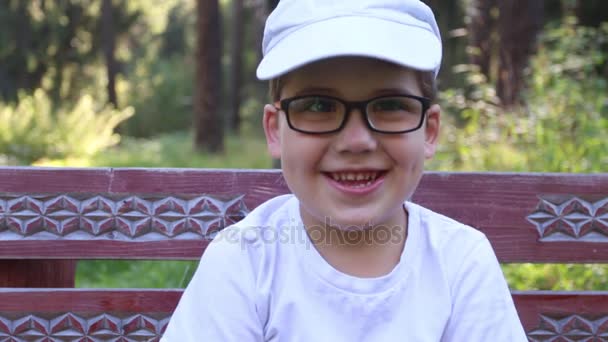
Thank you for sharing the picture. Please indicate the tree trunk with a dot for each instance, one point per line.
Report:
(62, 58)
(23, 44)
(591, 12)
(481, 24)
(260, 13)
(450, 18)
(519, 23)
(209, 133)
(109, 45)
(237, 65)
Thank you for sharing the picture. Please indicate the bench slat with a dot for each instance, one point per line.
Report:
(143, 250)
(528, 217)
(545, 315)
(69, 214)
(37, 273)
(68, 314)
(549, 314)
(116, 301)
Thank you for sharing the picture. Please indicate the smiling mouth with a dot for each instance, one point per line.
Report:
(356, 179)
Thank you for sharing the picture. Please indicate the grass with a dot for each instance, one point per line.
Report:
(176, 150)
(134, 273)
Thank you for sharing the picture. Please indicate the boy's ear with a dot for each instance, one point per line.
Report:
(433, 120)
(271, 130)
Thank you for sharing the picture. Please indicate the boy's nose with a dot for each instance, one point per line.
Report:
(355, 137)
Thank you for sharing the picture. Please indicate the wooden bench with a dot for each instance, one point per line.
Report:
(49, 218)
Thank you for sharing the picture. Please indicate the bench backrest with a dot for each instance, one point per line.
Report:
(49, 218)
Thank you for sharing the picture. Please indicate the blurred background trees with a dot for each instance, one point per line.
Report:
(171, 83)
(186, 68)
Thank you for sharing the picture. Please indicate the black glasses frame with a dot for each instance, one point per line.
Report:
(349, 106)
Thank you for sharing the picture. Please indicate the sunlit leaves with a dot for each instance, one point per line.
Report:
(34, 129)
(562, 125)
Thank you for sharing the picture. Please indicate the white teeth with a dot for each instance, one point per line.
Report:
(352, 176)
(362, 185)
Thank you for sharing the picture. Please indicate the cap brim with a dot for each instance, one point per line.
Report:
(408, 45)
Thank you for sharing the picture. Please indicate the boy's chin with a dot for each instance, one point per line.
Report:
(353, 226)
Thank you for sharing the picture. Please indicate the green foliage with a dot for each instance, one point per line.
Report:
(568, 100)
(160, 73)
(566, 277)
(134, 273)
(561, 128)
(53, 44)
(33, 129)
(162, 96)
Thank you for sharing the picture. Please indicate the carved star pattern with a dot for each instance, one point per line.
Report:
(131, 217)
(572, 219)
(3, 212)
(72, 327)
(571, 328)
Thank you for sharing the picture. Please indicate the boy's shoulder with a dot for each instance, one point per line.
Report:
(442, 232)
(429, 216)
(441, 223)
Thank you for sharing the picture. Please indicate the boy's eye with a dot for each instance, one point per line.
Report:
(391, 105)
(314, 104)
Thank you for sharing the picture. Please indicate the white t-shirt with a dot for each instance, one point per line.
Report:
(262, 280)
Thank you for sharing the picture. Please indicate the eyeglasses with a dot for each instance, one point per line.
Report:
(392, 114)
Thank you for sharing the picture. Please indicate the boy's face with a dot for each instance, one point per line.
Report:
(317, 167)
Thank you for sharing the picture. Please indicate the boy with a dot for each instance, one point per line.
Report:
(352, 120)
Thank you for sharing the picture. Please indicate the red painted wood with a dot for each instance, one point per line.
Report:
(37, 273)
(531, 304)
(90, 301)
(61, 249)
(498, 203)
(495, 203)
(14, 303)
(259, 185)
(55, 180)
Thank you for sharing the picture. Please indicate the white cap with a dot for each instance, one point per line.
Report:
(299, 32)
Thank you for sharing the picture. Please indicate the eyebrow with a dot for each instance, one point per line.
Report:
(391, 91)
(316, 90)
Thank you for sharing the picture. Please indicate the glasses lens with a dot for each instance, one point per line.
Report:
(395, 114)
(316, 114)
